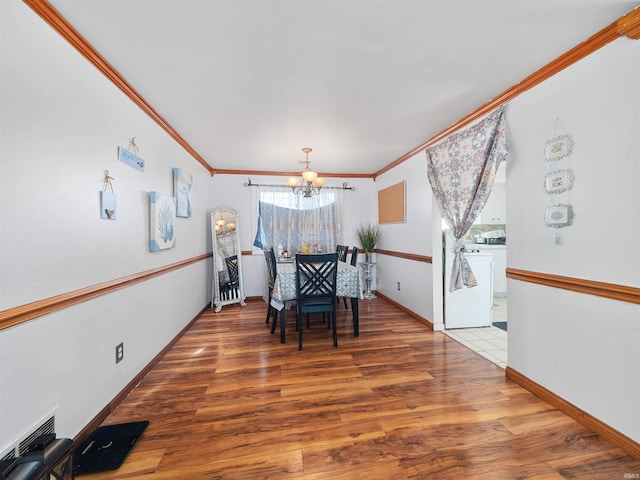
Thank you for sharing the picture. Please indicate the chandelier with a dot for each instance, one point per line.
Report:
(310, 183)
(222, 226)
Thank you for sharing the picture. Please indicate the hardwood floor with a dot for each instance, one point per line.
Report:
(400, 401)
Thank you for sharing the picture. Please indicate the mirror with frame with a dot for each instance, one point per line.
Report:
(227, 286)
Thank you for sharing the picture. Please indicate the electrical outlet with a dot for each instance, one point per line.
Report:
(119, 352)
(398, 286)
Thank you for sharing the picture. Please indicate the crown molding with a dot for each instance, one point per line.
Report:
(628, 25)
(221, 171)
(50, 15)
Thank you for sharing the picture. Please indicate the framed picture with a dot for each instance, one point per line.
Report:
(558, 147)
(182, 184)
(162, 219)
(108, 205)
(392, 203)
(131, 159)
(558, 216)
(558, 181)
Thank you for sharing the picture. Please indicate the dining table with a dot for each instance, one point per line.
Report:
(285, 293)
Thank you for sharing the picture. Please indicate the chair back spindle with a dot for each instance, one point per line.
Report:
(342, 251)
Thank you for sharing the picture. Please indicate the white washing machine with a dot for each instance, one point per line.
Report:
(468, 307)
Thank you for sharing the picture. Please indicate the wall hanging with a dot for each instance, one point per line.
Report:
(182, 185)
(107, 198)
(130, 156)
(162, 219)
(392, 203)
(558, 180)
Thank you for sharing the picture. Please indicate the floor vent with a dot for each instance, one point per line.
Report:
(48, 426)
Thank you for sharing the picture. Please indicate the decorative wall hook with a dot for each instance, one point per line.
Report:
(107, 182)
(132, 144)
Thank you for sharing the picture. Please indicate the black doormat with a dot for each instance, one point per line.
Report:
(501, 325)
(107, 447)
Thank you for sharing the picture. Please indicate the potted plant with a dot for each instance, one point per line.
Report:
(368, 235)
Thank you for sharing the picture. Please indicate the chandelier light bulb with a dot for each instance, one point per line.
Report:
(309, 175)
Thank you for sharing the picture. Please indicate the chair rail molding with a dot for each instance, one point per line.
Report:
(24, 313)
(408, 256)
(601, 289)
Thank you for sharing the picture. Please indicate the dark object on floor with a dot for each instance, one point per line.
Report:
(107, 447)
(501, 325)
(54, 454)
(6, 466)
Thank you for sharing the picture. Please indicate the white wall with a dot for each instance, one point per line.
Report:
(413, 236)
(62, 122)
(581, 347)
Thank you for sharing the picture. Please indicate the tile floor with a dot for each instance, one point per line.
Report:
(490, 342)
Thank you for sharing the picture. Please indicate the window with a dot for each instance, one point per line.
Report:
(294, 221)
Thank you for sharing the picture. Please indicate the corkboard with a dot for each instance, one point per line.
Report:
(392, 204)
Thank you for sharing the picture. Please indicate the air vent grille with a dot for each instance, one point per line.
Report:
(10, 455)
(49, 426)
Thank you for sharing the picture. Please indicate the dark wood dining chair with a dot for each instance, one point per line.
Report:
(342, 251)
(354, 262)
(272, 313)
(316, 280)
(232, 268)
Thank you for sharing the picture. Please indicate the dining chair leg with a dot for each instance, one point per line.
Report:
(283, 323)
(335, 329)
(344, 299)
(274, 314)
(299, 328)
(268, 309)
(356, 319)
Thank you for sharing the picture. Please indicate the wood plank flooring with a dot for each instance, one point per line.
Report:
(399, 402)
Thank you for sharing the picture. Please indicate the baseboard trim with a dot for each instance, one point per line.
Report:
(111, 406)
(598, 426)
(406, 310)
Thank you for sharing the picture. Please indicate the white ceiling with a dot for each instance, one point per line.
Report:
(248, 83)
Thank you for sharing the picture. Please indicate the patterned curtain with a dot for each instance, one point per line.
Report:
(461, 170)
(294, 221)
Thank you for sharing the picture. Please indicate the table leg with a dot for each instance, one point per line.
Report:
(356, 318)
